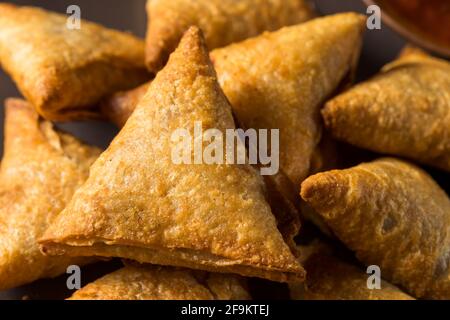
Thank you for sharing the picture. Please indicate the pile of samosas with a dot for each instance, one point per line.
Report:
(198, 231)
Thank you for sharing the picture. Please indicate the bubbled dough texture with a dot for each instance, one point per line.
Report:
(163, 283)
(392, 214)
(403, 111)
(279, 81)
(222, 21)
(201, 216)
(63, 71)
(40, 171)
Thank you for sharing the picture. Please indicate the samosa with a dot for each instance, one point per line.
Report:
(140, 205)
(330, 277)
(62, 71)
(163, 283)
(403, 111)
(222, 21)
(391, 214)
(40, 170)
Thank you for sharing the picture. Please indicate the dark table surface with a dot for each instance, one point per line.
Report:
(380, 47)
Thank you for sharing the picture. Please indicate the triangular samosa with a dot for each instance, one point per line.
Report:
(222, 21)
(403, 111)
(330, 277)
(40, 170)
(138, 204)
(65, 71)
(279, 80)
(163, 283)
(393, 215)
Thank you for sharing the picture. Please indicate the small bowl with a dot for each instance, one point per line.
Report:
(403, 25)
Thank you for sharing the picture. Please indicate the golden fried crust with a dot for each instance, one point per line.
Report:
(64, 72)
(330, 278)
(40, 171)
(404, 111)
(392, 214)
(119, 107)
(222, 21)
(139, 205)
(280, 79)
(163, 283)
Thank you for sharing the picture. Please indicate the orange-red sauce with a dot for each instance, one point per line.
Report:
(431, 17)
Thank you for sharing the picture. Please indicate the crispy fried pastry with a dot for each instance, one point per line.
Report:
(40, 170)
(392, 214)
(332, 278)
(138, 204)
(404, 111)
(64, 72)
(279, 80)
(222, 21)
(163, 283)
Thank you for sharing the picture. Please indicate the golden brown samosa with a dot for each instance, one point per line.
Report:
(332, 278)
(222, 21)
(64, 72)
(279, 80)
(163, 283)
(138, 204)
(40, 170)
(403, 111)
(392, 214)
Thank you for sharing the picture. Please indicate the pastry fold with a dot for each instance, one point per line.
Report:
(222, 21)
(163, 283)
(279, 80)
(332, 278)
(391, 214)
(40, 170)
(65, 72)
(138, 204)
(403, 111)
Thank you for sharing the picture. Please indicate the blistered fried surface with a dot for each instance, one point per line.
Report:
(163, 283)
(279, 80)
(404, 111)
(222, 21)
(392, 214)
(138, 204)
(40, 171)
(330, 278)
(64, 72)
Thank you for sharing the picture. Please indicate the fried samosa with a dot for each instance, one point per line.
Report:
(403, 111)
(138, 204)
(392, 214)
(40, 170)
(64, 72)
(332, 278)
(279, 80)
(163, 283)
(222, 21)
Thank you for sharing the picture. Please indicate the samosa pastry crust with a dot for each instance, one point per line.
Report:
(65, 72)
(40, 171)
(163, 283)
(404, 111)
(222, 21)
(330, 278)
(279, 80)
(138, 204)
(392, 214)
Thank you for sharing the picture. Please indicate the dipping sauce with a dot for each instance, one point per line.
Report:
(430, 17)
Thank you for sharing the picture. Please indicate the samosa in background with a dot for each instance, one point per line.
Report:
(40, 171)
(222, 21)
(65, 72)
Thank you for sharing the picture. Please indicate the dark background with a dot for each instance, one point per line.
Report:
(380, 47)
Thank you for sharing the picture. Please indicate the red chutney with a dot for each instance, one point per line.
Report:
(431, 17)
